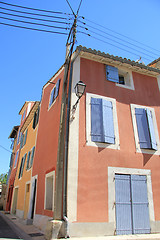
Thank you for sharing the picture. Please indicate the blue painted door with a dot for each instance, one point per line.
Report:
(132, 213)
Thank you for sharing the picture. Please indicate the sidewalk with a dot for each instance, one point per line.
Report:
(27, 232)
(30, 232)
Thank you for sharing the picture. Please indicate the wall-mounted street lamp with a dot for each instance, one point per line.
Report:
(79, 89)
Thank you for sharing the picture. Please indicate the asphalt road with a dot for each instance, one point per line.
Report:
(6, 231)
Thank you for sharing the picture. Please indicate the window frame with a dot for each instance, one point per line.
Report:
(89, 142)
(126, 73)
(135, 130)
(16, 158)
(49, 175)
(57, 84)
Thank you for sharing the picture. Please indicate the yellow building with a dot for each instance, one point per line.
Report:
(22, 185)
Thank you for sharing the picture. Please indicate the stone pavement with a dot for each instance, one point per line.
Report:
(26, 232)
(30, 232)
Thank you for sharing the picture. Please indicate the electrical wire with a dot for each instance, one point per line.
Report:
(70, 7)
(86, 28)
(39, 19)
(40, 24)
(5, 149)
(79, 7)
(42, 10)
(36, 29)
(119, 34)
(111, 44)
(36, 14)
(124, 45)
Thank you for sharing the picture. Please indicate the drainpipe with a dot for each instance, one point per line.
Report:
(65, 177)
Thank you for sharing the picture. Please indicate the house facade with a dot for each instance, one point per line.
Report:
(113, 162)
(111, 153)
(12, 167)
(21, 197)
(45, 159)
(17, 136)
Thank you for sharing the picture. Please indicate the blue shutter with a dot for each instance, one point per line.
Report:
(142, 126)
(123, 204)
(112, 74)
(108, 126)
(141, 222)
(151, 129)
(96, 120)
(57, 89)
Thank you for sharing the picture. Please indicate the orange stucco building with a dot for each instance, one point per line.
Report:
(110, 169)
(25, 153)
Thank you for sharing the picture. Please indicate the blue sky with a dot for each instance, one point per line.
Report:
(28, 59)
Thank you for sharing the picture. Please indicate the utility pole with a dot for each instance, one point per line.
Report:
(58, 200)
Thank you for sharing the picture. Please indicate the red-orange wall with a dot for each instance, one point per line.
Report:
(45, 158)
(94, 161)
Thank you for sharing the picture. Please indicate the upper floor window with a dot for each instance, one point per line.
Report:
(23, 139)
(16, 158)
(145, 129)
(30, 158)
(54, 93)
(36, 118)
(121, 76)
(101, 122)
(22, 165)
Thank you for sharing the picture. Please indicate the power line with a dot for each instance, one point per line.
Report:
(5, 149)
(111, 44)
(15, 15)
(40, 24)
(79, 7)
(42, 10)
(120, 34)
(36, 29)
(70, 7)
(124, 45)
(36, 14)
(86, 28)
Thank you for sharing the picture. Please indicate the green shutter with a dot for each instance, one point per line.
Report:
(28, 159)
(24, 158)
(32, 156)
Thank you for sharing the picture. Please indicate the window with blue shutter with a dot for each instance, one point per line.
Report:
(54, 92)
(102, 126)
(112, 74)
(145, 128)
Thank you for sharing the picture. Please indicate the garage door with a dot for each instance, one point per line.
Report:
(132, 212)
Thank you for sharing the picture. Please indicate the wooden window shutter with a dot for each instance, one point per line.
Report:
(32, 156)
(96, 120)
(112, 74)
(108, 125)
(151, 129)
(142, 126)
(28, 159)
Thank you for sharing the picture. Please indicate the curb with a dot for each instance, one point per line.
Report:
(15, 228)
